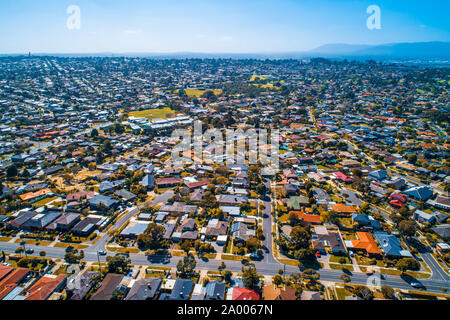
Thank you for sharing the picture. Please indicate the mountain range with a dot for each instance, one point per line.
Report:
(394, 51)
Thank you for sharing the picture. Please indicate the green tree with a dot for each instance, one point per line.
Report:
(407, 228)
(388, 292)
(152, 238)
(406, 264)
(11, 172)
(186, 266)
(250, 277)
(118, 264)
(363, 292)
(300, 237)
(277, 280)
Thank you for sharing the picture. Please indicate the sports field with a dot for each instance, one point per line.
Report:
(197, 92)
(159, 113)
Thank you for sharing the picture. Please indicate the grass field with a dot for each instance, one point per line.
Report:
(197, 92)
(253, 78)
(160, 113)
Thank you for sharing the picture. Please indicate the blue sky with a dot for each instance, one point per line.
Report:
(239, 26)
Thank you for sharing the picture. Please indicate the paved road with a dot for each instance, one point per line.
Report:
(432, 285)
(101, 243)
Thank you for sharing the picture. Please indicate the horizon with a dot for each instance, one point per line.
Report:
(312, 51)
(213, 27)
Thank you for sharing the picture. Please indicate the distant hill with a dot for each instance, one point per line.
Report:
(395, 50)
(402, 51)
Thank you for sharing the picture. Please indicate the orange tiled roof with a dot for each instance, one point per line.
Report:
(44, 287)
(340, 207)
(312, 218)
(271, 292)
(32, 195)
(365, 242)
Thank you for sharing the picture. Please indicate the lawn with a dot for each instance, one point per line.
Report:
(253, 78)
(340, 267)
(337, 259)
(232, 257)
(43, 202)
(198, 92)
(159, 113)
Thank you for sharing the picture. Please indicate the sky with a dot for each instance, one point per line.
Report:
(213, 26)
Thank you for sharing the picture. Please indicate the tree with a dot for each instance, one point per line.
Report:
(300, 237)
(407, 228)
(293, 219)
(388, 292)
(152, 238)
(363, 292)
(94, 133)
(227, 275)
(311, 275)
(11, 171)
(250, 277)
(406, 264)
(186, 266)
(412, 158)
(186, 246)
(252, 244)
(345, 277)
(277, 280)
(221, 267)
(261, 189)
(117, 295)
(304, 254)
(118, 264)
(72, 257)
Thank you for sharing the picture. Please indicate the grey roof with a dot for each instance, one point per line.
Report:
(100, 199)
(390, 245)
(134, 230)
(215, 291)
(125, 194)
(144, 289)
(378, 175)
(148, 181)
(39, 221)
(182, 289)
(81, 285)
(419, 193)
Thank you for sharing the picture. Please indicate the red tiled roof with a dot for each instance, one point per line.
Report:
(44, 287)
(244, 294)
(11, 281)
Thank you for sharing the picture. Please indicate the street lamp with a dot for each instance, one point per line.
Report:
(99, 265)
(23, 243)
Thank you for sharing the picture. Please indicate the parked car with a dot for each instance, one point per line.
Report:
(417, 285)
(370, 271)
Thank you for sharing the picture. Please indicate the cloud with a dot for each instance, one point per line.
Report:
(226, 38)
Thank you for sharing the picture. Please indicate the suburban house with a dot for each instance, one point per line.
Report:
(419, 193)
(46, 286)
(144, 289)
(272, 292)
(364, 243)
(391, 246)
(111, 282)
